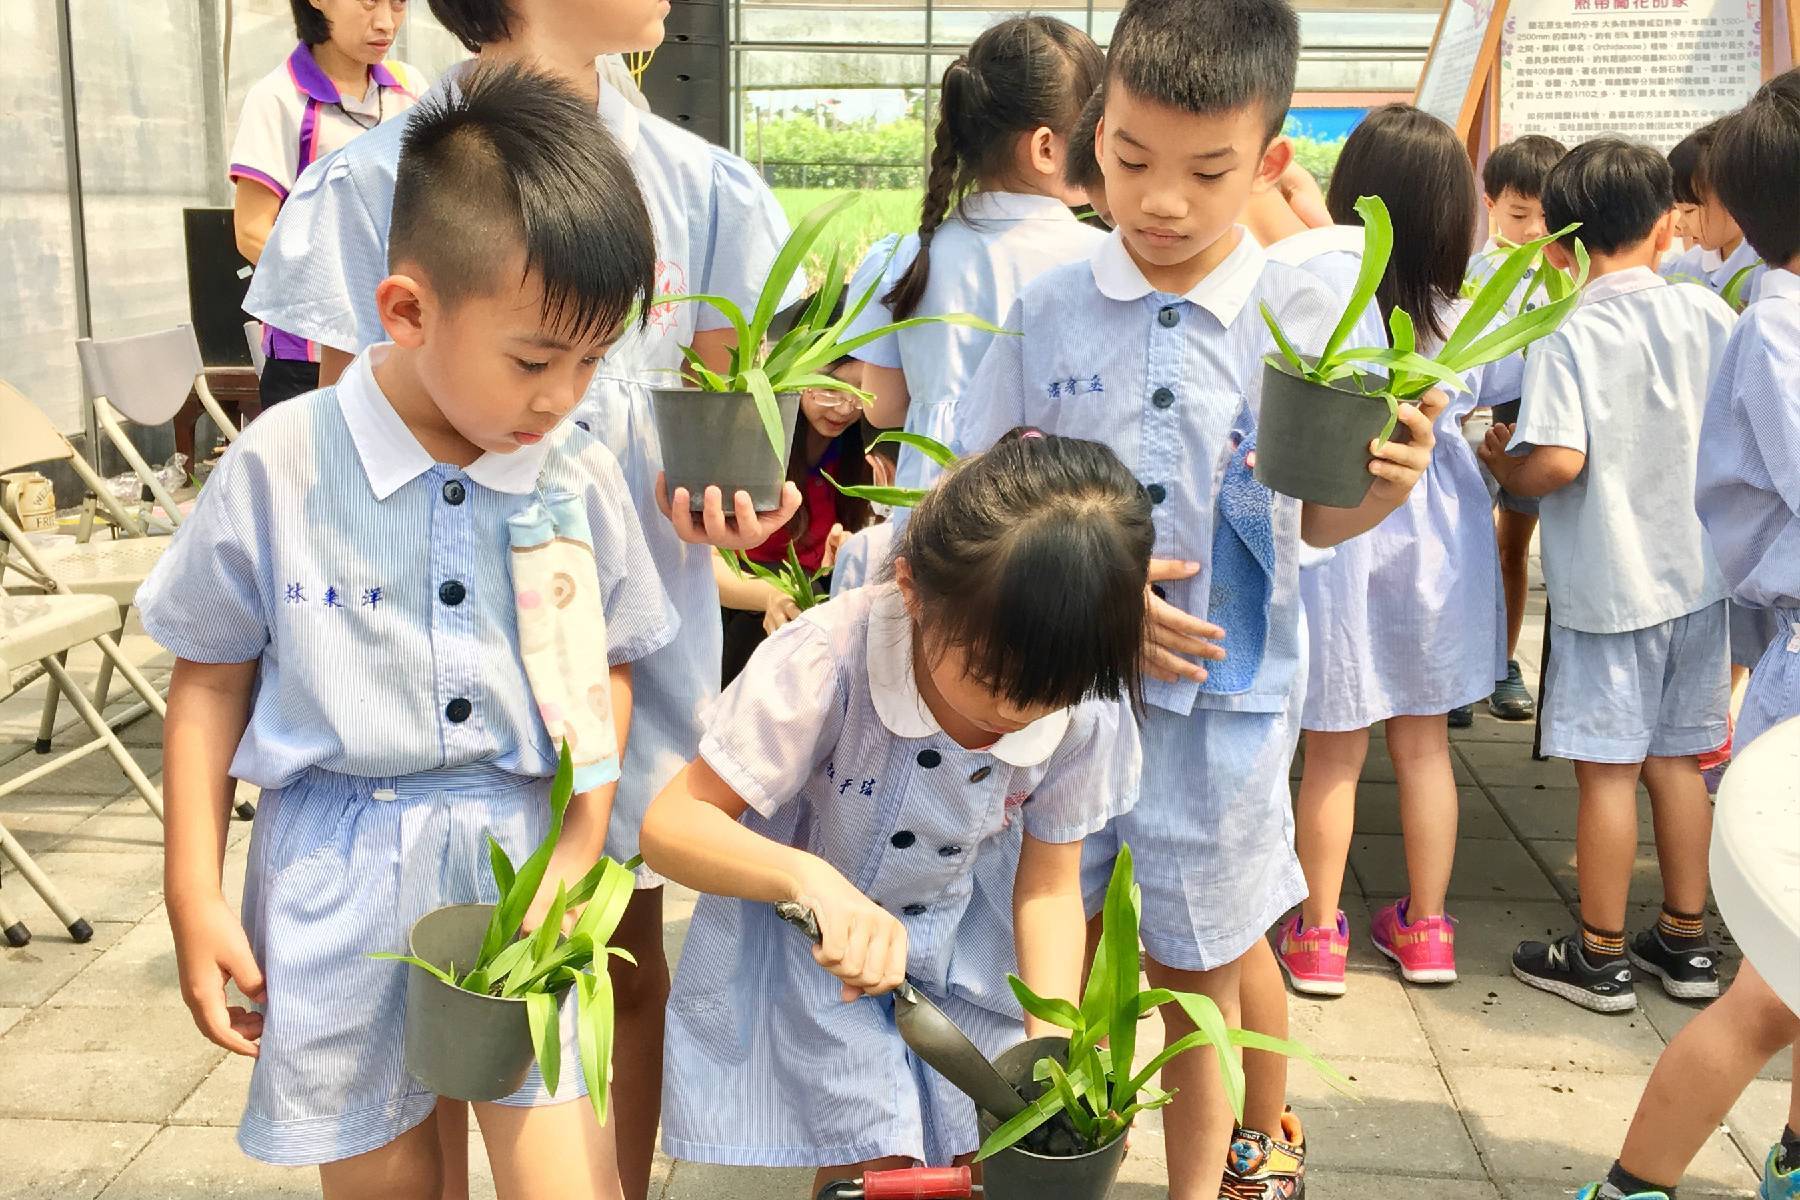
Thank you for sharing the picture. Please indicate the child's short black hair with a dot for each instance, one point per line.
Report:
(1756, 169)
(1081, 167)
(1032, 560)
(1617, 190)
(513, 161)
(1688, 165)
(1520, 166)
(474, 23)
(310, 25)
(1209, 56)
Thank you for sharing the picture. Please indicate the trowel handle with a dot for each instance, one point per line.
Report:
(919, 1183)
(801, 918)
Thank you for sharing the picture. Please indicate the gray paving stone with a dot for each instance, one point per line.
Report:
(1406, 1117)
(1378, 811)
(125, 826)
(1380, 768)
(701, 1181)
(197, 1161)
(1549, 813)
(1501, 1026)
(1484, 871)
(1566, 1129)
(10, 1017)
(1372, 1019)
(219, 1100)
(65, 1160)
(1357, 1185)
(96, 775)
(1756, 1119)
(95, 1065)
(101, 887)
(138, 970)
(1489, 728)
(1511, 763)
(33, 973)
(1487, 931)
(1646, 881)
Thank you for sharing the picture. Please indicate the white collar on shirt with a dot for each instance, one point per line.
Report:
(1302, 248)
(391, 455)
(621, 117)
(1710, 260)
(1013, 206)
(1223, 293)
(1622, 283)
(1779, 282)
(895, 691)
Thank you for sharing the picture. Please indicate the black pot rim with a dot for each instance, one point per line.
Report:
(686, 390)
(1015, 1148)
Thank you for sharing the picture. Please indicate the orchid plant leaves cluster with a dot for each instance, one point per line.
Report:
(1488, 331)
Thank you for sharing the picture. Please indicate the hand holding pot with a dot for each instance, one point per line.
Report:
(1171, 633)
(210, 951)
(1398, 465)
(859, 941)
(742, 529)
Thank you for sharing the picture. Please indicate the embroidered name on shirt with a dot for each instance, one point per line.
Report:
(333, 597)
(1091, 386)
(864, 787)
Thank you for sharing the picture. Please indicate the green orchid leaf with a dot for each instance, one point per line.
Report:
(708, 379)
(1059, 1013)
(930, 447)
(1734, 291)
(546, 1036)
(499, 865)
(728, 308)
(895, 497)
(509, 914)
(431, 969)
(1378, 248)
(1494, 295)
(1034, 1115)
(791, 258)
(1301, 367)
(769, 409)
(1120, 934)
(594, 1036)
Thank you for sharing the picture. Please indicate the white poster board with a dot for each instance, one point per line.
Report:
(1459, 54)
(1651, 70)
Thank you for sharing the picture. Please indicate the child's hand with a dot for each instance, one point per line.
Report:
(781, 609)
(1493, 453)
(211, 950)
(834, 542)
(859, 941)
(881, 467)
(1170, 632)
(741, 529)
(1398, 465)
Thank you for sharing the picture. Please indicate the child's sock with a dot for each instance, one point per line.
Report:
(1627, 1184)
(1790, 1150)
(1679, 930)
(1601, 945)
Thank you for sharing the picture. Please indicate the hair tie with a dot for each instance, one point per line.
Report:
(1031, 433)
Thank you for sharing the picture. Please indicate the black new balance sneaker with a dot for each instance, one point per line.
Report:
(1561, 969)
(1691, 974)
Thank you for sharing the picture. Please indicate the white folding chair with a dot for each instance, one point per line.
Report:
(146, 379)
(36, 634)
(111, 567)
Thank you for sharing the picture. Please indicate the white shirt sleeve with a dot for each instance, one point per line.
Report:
(267, 145)
(886, 261)
(1550, 411)
(749, 229)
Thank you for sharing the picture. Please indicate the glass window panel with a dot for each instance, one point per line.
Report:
(958, 24)
(832, 22)
(37, 267)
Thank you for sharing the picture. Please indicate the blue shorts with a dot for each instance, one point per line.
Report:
(1212, 836)
(1661, 692)
(337, 870)
(1752, 629)
(1774, 691)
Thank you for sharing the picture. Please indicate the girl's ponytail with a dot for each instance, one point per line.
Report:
(1023, 74)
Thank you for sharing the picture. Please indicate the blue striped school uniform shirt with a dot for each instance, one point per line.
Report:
(1714, 270)
(374, 587)
(1624, 381)
(1165, 381)
(718, 229)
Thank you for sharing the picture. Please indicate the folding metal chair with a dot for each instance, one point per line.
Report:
(36, 634)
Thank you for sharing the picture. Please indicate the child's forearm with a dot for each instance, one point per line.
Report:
(590, 813)
(737, 592)
(694, 838)
(1546, 469)
(1049, 924)
(1323, 527)
(209, 706)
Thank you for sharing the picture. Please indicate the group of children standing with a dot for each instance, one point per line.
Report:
(1096, 630)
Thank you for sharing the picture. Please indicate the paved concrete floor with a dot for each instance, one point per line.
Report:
(1481, 1090)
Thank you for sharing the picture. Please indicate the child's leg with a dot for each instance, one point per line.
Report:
(1514, 530)
(1420, 747)
(1606, 847)
(1325, 817)
(1702, 1074)
(640, 994)
(407, 1168)
(1683, 816)
(1197, 1124)
(452, 1120)
(552, 1150)
(1265, 1010)
(854, 1171)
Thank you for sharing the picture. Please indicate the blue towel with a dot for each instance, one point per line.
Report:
(1243, 570)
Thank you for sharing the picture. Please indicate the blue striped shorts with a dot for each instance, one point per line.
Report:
(342, 866)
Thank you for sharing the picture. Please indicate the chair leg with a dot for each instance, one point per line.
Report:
(40, 883)
(16, 933)
(103, 681)
(47, 724)
(115, 658)
(96, 721)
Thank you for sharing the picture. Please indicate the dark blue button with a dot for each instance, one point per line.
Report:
(1169, 317)
(584, 427)
(914, 910)
(458, 710)
(949, 851)
(902, 840)
(454, 491)
(1162, 397)
(929, 759)
(452, 592)
(980, 774)
(1157, 492)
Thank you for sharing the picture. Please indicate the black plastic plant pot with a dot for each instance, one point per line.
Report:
(1312, 440)
(1018, 1174)
(717, 438)
(460, 1044)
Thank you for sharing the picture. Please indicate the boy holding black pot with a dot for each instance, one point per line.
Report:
(1637, 683)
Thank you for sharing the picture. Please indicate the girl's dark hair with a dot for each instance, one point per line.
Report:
(1418, 166)
(1757, 156)
(474, 23)
(512, 162)
(1617, 190)
(1081, 167)
(851, 470)
(1688, 171)
(1520, 166)
(1021, 75)
(310, 25)
(1032, 559)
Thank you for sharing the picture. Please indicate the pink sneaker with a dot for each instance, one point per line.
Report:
(1314, 958)
(1425, 952)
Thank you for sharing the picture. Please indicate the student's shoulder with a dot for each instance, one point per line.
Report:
(1771, 327)
(284, 445)
(411, 79)
(273, 90)
(1697, 301)
(674, 146)
(371, 160)
(578, 460)
(1066, 286)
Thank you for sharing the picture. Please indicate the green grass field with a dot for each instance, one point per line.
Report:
(879, 214)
